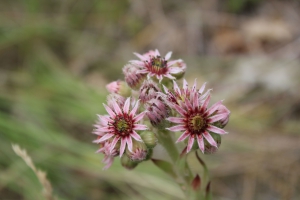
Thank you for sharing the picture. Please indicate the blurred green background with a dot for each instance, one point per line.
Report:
(56, 57)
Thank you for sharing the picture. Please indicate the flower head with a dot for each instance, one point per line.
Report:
(121, 124)
(154, 65)
(184, 96)
(196, 119)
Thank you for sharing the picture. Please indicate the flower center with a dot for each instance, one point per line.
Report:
(197, 124)
(123, 125)
(158, 65)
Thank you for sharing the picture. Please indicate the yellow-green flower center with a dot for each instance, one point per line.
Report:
(158, 62)
(122, 125)
(197, 124)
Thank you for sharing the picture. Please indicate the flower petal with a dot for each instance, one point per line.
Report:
(165, 89)
(109, 111)
(215, 118)
(195, 100)
(156, 53)
(108, 162)
(139, 117)
(123, 145)
(205, 104)
(140, 56)
(116, 107)
(129, 143)
(126, 105)
(140, 127)
(103, 138)
(183, 136)
(202, 88)
(200, 143)
(142, 71)
(190, 144)
(133, 111)
(176, 88)
(177, 128)
(216, 130)
(179, 109)
(185, 85)
(103, 129)
(113, 144)
(168, 55)
(213, 108)
(176, 119)
(136, 62)
(170, 76)
(103, 119)
(175, 70)
(136, 136)
(194, 86)
(210, 139)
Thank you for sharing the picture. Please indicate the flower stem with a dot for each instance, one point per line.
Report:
(181, 167)
(167, 142)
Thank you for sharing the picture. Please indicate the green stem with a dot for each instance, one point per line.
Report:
(167, 142)
(181, 167)
(205, 171)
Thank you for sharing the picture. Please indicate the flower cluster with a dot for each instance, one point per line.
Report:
(148, 102)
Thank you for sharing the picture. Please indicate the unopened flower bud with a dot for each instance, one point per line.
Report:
(158, 111)
(223, 110)
(148, 91)
(208, 148)
(111, 98)
(149, 139)
(119, 87)
(139, 151)
(127, 162)
(180, 64)
(132, 78)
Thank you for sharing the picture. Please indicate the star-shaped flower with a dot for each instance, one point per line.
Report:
(121, 124)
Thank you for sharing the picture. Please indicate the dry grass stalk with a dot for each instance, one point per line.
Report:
(47, 188)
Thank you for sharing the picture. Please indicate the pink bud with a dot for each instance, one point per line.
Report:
(132, 77)
(148, 91)
(119, 87)
(223, 110)
(157, 112)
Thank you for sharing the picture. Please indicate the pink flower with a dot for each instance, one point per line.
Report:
(108, 155)
(196, 119)
(183, 97)
(121, 124)
(154, 65)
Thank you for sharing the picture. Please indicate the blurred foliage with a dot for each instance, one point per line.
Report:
(237, 6)
(57, 56)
